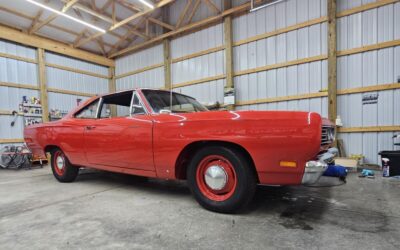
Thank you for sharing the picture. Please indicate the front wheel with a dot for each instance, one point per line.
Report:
(221, 179)
(62, 169)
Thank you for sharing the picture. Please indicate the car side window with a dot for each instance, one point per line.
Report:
(116, 105)
(137, 107)
(88, 112)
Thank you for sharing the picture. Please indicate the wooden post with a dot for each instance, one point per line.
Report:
(167, 64)
(228, 39)
(43, 84)
(112, 87)
(332, 62)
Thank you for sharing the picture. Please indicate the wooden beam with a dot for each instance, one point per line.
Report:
(52, 17)
(332, 62)
(19, 140)
(112, 88)
(380, 87)
(369, 129)
(162, 24)
(365, 7)
(129, 6)
(19, 58)
(228, 39)
(43, 84)
(183, 29)
(197, 54)
(18, 85)
(69, 92)
(183, 14)
(283, 98)
(167, 64)
(194, 82)
(137, 71)
(50, 45)
(79, 71)
(212, 6)
(371, 47)
(193, 12)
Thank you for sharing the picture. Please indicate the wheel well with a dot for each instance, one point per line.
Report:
(186, 154)
(50, 148)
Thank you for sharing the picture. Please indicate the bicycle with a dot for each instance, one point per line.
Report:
(15, 157)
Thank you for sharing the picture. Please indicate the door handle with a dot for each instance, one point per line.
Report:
(90, 127)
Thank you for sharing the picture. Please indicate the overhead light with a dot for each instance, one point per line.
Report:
(150, 5)
(67, 16)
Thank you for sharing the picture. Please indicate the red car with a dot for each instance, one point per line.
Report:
(223, 155)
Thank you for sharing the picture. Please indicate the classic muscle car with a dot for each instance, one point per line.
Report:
(223, 155)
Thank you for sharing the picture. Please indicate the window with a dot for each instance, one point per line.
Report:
(88, 112)
(116, 105)
(160, 100)
(137, 107)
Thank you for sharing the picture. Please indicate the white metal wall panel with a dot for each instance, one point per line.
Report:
(67, 80)
(209, 92)
(204, 39)
(149, 79)
(64, 102)
(75, 63)
(202, 12)
(349, 4)
(139, 60)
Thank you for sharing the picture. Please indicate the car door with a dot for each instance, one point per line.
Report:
(121, 141)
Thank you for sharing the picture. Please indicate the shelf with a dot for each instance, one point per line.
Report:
(32, 115)
(32, 105)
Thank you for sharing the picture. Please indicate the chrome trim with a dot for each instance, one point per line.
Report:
(98, 108)
(140, 101)
(314, 169)
(327, 135)
(216, 177)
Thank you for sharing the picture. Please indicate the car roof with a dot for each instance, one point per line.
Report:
(135, 89)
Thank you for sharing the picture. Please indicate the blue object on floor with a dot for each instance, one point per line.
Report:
(335, 171)
(367, 172)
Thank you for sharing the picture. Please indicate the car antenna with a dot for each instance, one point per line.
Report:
(170, 98)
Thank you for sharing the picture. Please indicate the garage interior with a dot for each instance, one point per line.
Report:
(339, 58)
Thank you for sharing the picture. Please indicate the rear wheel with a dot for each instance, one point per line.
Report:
(62, 168)
(221, 179)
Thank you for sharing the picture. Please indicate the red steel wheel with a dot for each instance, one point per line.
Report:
(62, 169)
(216, 177)
(59, 163)
(221, 178)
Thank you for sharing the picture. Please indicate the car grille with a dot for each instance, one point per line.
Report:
(327, 135)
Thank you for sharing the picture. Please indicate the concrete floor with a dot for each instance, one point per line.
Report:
(110, 211)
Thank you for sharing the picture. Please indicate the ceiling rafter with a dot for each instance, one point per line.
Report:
(129, 6)
(126, 21)
(161, 23)
(212, 6)
(193, 12)
(183, 14)
(39, 25)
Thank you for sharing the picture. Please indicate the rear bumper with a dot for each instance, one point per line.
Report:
(314, 169)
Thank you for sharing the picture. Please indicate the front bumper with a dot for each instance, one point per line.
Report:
(314, 169)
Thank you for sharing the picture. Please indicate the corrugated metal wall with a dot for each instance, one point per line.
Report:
(153, 78)
(375, 67)
(15, 71)
(67, 80)
(356, 70)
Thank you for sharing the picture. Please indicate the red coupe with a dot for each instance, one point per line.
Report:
(223, 155)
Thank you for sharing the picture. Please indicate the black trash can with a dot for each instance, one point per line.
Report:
(394, 161)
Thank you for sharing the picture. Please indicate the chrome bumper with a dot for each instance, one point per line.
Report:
(314, 169)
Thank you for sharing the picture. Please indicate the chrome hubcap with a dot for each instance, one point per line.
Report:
(216, 177)
(60, 162)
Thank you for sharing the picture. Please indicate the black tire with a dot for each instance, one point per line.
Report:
(245, 179)
(69, 172)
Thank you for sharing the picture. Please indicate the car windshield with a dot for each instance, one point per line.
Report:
(160, 100)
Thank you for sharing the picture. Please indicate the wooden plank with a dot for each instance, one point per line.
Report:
(137, 71)
(183, 29)
(69, 92)
(283, 98)
(369, 129)
(18, 85)
(332, 62)
(195, 7)
(112, 88)
(228, 40)
(366, 48)
(14, 35)
(18, 140)
(281, 65)
(183, 14)
(281, 31)
(197, 54)
(380, 87)
(42, 80)
(365, 7)
(19, 58)
(207, 79)
(52, 65)
(212, 6)
(161, 23)
(9, 112)
(167, 64)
